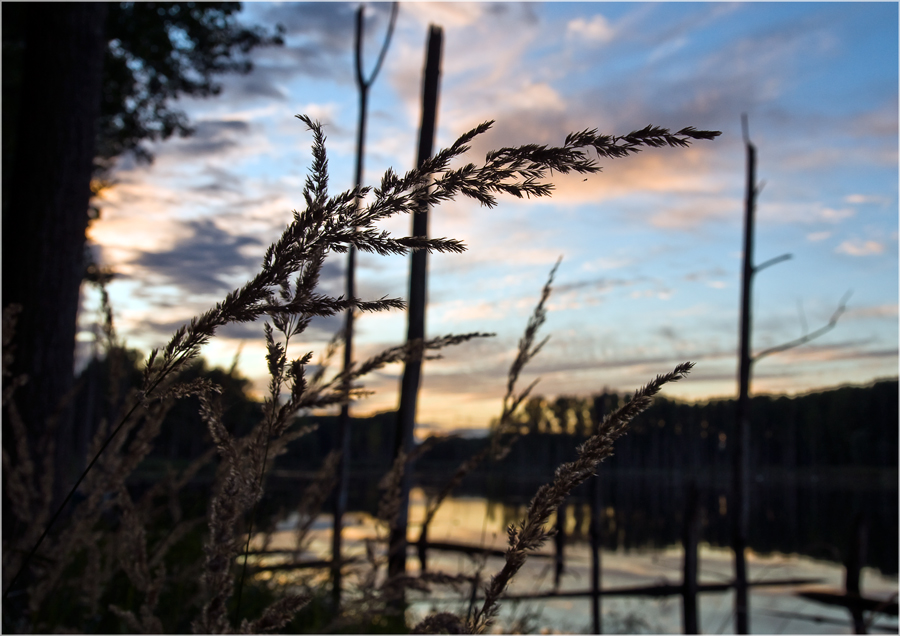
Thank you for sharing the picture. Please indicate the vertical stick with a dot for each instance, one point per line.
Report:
(689, 582)
(343, 425)
(740, 476)
(409, 388)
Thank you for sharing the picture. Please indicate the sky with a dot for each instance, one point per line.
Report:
(651, 246)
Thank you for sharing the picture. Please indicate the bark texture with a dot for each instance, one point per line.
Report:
(46, 193)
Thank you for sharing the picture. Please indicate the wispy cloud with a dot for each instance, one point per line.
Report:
(461, 311)
(695, 216)
(851, 350)
(866, 199)
(662, 224)
(199, 262)
(648, 173)
(601, 284)
(860, 247)
(834, 216)
(876, 311)
(803, 212)
(607, 262)
(594, 31)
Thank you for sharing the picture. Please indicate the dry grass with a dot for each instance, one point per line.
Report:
(40, 559)
(532, 531)
(504, 434)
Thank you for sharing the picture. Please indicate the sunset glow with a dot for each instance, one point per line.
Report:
(651, 245)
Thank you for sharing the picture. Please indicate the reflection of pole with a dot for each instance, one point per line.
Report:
(740, 476)
(343, 427)
(689, 580)
(856, 559)
(596, 528)
(409, 388)
(559, 557)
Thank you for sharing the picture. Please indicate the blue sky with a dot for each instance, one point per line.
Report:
(651, 246)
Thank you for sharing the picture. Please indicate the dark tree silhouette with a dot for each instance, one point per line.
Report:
(82, 84)
(157, 52)
(46, 188)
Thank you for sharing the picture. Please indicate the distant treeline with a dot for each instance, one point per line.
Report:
(848, 433)
(848, 426)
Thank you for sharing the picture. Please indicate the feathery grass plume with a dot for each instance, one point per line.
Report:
(498, 447)
(340, 388)
(277, 615)
(29, 491)
(245, 464)
(241, 475)
(391, 483)
(276, 418)
(527, 351)
(441, 623)
(531, 533)
(28, 504)
(325, 358)
(285, 291)
(233, 498)
(314, 497)
(333, 224)
(132, 552)
(108, 477)
(379, 599)
(246, 304)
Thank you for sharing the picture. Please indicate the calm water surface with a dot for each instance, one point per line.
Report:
(477, 521)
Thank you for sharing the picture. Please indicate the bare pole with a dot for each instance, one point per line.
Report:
(343, 427)
(741, 474)
(412, 371)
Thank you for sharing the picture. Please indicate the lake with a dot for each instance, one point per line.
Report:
(482, 521)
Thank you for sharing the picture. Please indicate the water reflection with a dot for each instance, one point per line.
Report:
(810, 515)
(482, 521)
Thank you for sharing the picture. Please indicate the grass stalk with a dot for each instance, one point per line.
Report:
(285, 291)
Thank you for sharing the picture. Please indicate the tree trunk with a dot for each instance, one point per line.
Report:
(46, 195)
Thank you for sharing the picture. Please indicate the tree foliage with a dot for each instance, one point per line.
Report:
(158, 52)
(850, 426)
(82, 84)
